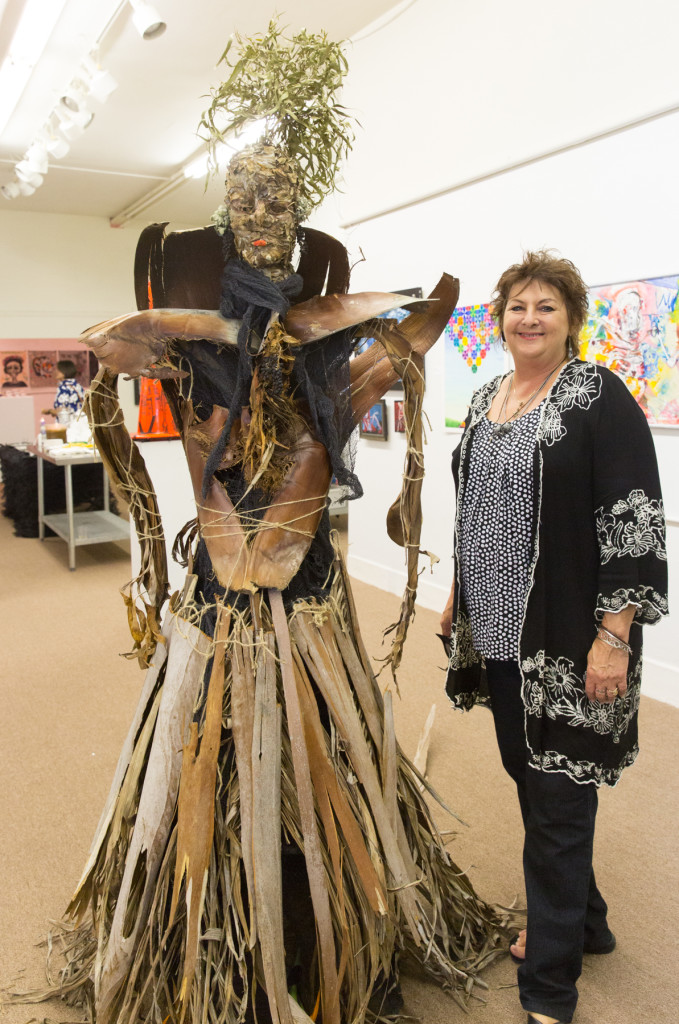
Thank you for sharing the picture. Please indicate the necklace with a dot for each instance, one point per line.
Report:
(505, 423)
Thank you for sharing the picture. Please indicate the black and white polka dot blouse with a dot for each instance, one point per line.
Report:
(495, 534)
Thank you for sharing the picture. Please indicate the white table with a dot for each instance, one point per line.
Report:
(77, 528)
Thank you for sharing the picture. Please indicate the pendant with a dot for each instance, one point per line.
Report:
(500, 429)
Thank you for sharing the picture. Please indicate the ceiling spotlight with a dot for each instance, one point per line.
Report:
(82, 118)
(74, 99)
(25, 189)
(11, 191)
(100, 83)
(55, 144)
(68, 127)
(26, 174)
(147, 21)
(73, 123)
(36, 157)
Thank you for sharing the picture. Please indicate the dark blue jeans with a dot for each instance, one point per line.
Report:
(566, 912)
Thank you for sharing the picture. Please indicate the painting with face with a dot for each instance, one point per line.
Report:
(633, 329)
(14, 367)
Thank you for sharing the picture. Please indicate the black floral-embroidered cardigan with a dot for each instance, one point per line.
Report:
(599, 545)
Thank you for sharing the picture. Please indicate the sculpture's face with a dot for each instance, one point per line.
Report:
(261, 197)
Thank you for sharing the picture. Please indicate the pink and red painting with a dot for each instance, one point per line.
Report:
(633, 329)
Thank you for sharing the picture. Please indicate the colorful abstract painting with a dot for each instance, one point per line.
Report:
(41, 369)
(374, 422)
(633, 329)
(472, 357)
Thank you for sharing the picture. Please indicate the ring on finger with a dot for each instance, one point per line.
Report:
(612, 693)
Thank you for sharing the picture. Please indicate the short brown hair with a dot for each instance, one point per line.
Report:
(67, 367)
(555, 271)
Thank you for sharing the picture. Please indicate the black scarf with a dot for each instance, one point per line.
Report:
(247, 295)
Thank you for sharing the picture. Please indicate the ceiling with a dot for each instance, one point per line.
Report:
(144, 133)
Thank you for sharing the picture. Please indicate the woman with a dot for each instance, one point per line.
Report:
(70, 394)
(559, 560)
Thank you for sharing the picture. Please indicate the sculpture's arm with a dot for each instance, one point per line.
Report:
(136, 342)
(133, 343)
(372, 372)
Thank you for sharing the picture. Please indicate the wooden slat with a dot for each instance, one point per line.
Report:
(266, 832)
(188, 649)
(305, 796)
(196, 811)
(242, 724)
(315, 644)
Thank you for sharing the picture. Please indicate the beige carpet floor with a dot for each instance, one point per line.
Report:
(67, 697)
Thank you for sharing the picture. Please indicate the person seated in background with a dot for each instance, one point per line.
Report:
(70, 394)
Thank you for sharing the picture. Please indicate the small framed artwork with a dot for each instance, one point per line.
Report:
(399, 417)
(13, 370)
(374, 423)
(41, 369)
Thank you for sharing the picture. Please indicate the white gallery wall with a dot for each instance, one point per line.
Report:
(452, 92)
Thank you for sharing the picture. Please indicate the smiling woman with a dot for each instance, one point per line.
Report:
(559, 560)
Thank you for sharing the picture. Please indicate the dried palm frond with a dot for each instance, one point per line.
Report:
(126, 470)
(302, 843)
(290, 85)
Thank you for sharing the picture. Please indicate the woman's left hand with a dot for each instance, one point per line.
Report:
(606, 678)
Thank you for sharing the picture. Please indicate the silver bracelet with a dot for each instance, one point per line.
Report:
(612, 640)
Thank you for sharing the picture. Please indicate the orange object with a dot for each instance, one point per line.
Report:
(155, 421)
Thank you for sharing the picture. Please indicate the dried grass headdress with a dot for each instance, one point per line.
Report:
(291, 85)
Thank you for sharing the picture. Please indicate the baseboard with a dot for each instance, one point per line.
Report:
(660, 679)
(429, 594)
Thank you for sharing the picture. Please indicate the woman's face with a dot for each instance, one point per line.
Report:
(535, 323)
(263, 218)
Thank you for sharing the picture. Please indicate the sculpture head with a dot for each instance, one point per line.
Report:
(263, 202)
(289, 86)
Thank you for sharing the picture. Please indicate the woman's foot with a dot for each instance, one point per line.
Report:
(517, 950)
(541, 1018)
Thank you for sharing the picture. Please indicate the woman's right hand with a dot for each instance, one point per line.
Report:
(447, 616)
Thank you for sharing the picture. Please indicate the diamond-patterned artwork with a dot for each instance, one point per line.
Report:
(473, 355)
